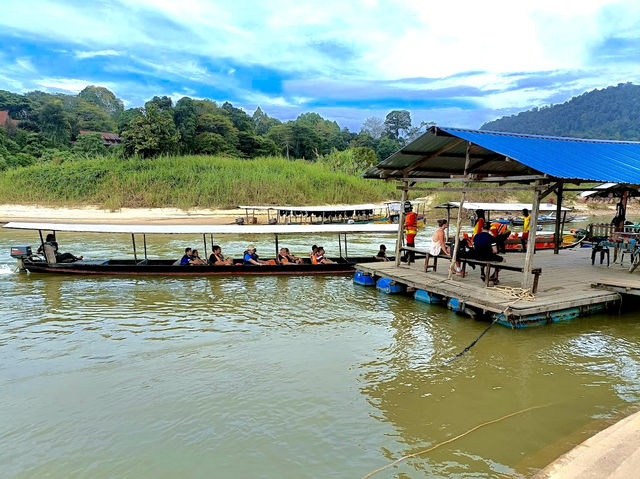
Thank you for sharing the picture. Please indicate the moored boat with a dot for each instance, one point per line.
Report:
(142, 265)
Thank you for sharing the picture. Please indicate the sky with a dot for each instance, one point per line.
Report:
(456, 63)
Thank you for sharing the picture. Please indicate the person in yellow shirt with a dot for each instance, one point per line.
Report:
(525, 228)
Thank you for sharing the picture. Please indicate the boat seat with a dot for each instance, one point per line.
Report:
(144, 262)
(177, 262)
(49, 254)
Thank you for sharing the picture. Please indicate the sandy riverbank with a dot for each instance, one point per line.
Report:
(94, 214)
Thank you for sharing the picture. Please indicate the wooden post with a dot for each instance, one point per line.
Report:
(133, 240)
(558, 233)
(531, 243)
(401, 221)
(277, 249)
(204, 242)
(340, 244)
(144, 240)
(448, 220)
(456, 243)
(346, 252)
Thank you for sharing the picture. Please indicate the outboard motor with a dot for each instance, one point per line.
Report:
(21, 253)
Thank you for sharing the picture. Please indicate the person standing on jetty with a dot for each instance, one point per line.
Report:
(525, 228)
(410, 230)
(479, 224)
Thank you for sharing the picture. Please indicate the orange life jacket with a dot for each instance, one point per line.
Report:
(411, 223)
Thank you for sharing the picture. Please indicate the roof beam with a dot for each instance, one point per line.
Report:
(435, 154)
(469, 188)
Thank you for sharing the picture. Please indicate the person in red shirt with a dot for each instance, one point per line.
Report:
(410, 230)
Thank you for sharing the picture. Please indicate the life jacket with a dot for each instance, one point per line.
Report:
(283, 259)
(411, 223)
(478, 226)
(525, 226)
(500, 228)
(314, 258)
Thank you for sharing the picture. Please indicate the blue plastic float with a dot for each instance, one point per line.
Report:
(363, 279)
(426, 296)
(389, 286)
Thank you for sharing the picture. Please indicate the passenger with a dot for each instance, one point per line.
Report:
(485, 248)
(196, 260)
(251, 257)
(187, 258)
(501, 231)
(525, 229)
(216, 258)
(382, 254)
(283, 258)
(320, 259)
(438, 243)
(479, 224)
(293, 258)
(313, 255)
(60, 257)
(410, 231)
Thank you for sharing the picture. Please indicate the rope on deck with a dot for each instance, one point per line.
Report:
(517, 294)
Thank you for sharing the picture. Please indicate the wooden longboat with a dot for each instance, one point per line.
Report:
(142, 265)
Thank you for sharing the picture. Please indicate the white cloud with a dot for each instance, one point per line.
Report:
(71, 85)
(98, 53)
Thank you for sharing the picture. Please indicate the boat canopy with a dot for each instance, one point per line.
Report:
(207, 229)
(500, 206)
(311, 209)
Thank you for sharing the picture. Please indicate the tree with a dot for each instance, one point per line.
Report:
(152, 133)
(414, 132)
(263, 122)
(127, 116)
(54, 123)
(103, 98)
(395, 121)
(386, 147)
(88, 116)
(220, 124)
(374, 126)
(186, 118)
(238, 117)
(282, 136)
(18, 105)
(90, 144)
(211, 143)
(162, 103)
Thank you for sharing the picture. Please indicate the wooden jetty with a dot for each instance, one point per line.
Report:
(569, 287)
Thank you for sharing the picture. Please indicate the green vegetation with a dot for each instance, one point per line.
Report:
(611, 113)
(52, 150)
(187, 181)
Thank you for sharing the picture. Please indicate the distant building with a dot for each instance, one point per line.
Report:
(108, 139)
(6, 120)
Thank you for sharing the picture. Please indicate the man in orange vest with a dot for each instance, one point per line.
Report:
(410, 229)
(501, 232)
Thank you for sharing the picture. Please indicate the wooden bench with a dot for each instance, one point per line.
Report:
(418, 253)
(497, 266)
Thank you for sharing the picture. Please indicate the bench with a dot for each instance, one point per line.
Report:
(497, 266)
(418, 253)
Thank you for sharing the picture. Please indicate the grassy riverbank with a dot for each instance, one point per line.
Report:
(187, 182)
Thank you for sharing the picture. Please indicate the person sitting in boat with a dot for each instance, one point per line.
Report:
(60, 257)
(293, 258)
(187, 258)
(216, 258)
(382, 254)
(251, 257)
(320, 259)
(196, 260)
(485, 248)
(313, 255)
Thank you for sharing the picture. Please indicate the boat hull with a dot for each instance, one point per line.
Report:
(167, 268)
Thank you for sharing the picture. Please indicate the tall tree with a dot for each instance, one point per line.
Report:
(186, 119)
(374, 126)
(152, 133)
(395, 121)
(54, 123)
(263, 122)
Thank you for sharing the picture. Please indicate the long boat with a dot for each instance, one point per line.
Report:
(142, 265)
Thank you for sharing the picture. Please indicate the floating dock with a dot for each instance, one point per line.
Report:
(570, 286)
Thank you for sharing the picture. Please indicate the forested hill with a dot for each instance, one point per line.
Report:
(611, 113)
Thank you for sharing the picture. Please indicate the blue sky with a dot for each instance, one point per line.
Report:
(458, 63)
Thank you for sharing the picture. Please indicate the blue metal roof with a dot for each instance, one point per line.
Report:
(568, 158)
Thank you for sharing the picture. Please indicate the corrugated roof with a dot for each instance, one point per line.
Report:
(442, 153)
(470, 205)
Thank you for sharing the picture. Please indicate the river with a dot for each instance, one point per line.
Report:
(284, 377)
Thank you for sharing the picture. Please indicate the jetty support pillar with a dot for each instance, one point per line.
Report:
(405, 188)
(527, 277)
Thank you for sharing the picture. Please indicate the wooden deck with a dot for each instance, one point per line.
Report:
(568, 282)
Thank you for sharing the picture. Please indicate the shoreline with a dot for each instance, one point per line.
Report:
(172, 215)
